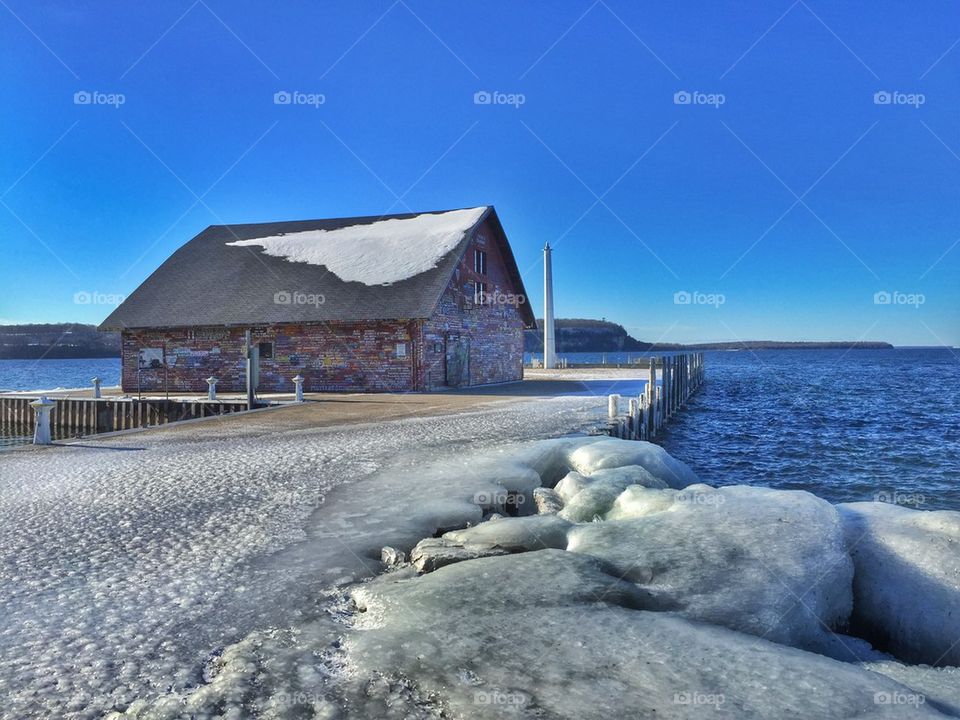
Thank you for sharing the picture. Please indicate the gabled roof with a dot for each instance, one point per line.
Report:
(386, 267)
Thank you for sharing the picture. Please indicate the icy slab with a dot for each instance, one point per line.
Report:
(550, 634)
(434, 553)
(520, 534)
(378, 253)
(615, 453)
(907, 579)
(766, 562)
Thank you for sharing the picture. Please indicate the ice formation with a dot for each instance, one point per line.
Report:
(766, 562)
(552, 634)
(378, 253)
(907, 581)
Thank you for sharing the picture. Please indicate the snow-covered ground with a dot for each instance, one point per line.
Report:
(222, 573)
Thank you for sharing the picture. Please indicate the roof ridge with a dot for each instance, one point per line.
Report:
(358, 218)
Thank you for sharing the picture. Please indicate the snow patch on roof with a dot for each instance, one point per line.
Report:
(378, 253)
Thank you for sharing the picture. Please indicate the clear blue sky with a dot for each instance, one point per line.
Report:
(796, 199)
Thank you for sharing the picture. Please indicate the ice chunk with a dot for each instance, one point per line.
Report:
(614, 453)
(571, 484)
(767, 562)
(907, 579)
(518, 534)
(550, 634)
(433, 553)
(591, 497)
(636, 501)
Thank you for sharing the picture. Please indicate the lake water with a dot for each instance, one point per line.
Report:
(846, 425)
(53, 374)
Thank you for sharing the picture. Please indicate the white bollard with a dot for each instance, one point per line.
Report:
(96, 387)
(41, 434)
(212, 388)
(613, 407)
(298, 381)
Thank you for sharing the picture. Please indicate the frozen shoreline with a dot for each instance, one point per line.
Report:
(138, 578)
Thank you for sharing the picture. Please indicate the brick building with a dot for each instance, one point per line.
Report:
(376, 304)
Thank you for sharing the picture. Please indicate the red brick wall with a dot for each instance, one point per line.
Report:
(495, 330)
(333, 357)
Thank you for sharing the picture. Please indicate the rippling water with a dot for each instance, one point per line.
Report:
(857, 425)
(52, 374)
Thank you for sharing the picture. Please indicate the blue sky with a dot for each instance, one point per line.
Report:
(782, 198)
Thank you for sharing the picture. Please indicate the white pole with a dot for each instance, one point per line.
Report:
(212, 388)
(549, 336)
(96, 387)
(298, 381)
(41, 433)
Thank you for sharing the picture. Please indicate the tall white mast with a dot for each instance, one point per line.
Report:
(549, 338)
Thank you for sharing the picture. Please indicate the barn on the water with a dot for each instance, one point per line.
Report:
(394, 303)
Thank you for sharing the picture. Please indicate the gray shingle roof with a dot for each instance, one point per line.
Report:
(206, 282)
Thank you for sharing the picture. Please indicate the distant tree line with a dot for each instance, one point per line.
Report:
(56, 341)
(582, 335)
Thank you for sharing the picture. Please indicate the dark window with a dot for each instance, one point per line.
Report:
(266, 351)
(480, 261)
